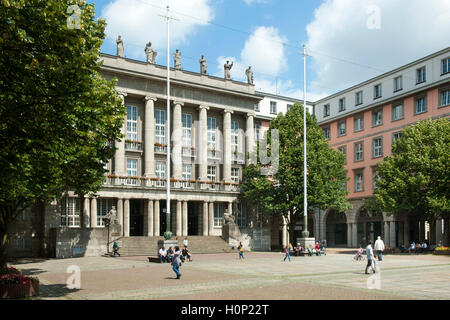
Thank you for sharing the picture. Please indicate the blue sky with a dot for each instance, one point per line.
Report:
(349, 41)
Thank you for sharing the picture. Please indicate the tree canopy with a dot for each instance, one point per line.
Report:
(58, 116)
(282, 192)
(415, 179)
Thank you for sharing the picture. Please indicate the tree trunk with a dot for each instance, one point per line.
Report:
(41, 209)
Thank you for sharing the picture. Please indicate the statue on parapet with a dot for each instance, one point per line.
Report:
(202, 65)
(228, 218)
(227, 67)
(150, 53)
(120, 50)
(177, 59)
(111, 217)
(249, 74)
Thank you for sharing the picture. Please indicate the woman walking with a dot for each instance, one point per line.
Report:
(286, 251)
(176, 262)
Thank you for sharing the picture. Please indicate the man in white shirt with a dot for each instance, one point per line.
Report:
(185, 242)
(379, 247)
(162, 254)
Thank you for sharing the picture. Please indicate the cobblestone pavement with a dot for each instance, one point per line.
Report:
(259, 276)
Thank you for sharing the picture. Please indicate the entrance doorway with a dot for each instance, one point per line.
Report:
(369, 226)
(336, 228)
(192, 219)
(136, 218)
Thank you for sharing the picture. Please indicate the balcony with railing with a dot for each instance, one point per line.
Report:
(175, 184)
(188, 152)
(160, 148)
(214, 155)
(133, 145)
(238, 157)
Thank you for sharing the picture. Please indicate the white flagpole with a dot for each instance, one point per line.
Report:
(168, 127)
(305, 195)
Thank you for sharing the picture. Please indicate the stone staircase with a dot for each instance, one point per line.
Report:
(148, 246)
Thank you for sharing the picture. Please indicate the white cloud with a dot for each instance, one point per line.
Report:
(138, 22)
(250, 2)
(264, 52)
(407, 31)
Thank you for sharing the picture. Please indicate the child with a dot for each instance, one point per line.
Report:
(241, 251)
(286, 251)
(359, 253)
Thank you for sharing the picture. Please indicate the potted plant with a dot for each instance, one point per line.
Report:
(442, 251)
(14, 285)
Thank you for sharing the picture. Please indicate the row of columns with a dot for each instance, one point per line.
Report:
(149, 140)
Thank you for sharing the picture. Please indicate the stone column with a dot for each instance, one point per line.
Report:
(126, 218)
(227, 145)
(406, 232)
(211, 219)
(392, 235)
(284, 233)
(205, 218)
(120, 214)
(386, 234)
(250, 140)
(203, 148)
(150, 218)
(355, 235)
(177, 135)
(179, 219)
(119, 158)
(230, 208)
(349, 235)
(149, 137)
(87, 213)
(185, 218)
(156, 215)
(93, 213)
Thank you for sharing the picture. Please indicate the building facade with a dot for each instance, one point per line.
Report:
(362, 122)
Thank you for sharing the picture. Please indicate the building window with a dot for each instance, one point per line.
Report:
(374, 178)
(359, 181)
(397, 112)
(420, 105)
(187, 133)
(421, 75)
(377, 117)
(359, 151)
(273, 107)
(235, 175)
(103, 207)
(377, 91)
(25, 214)
(218, 214)
(358, 98)
(70, 212)
(326, 110)
(241, 215)
(445, 98)
(257, 106)
(211, 173)
(326, 132)
(132, 170)
(377, 147)
(160, 173)
(398, 83)
(288, 107)
(343, 150)
(23, 244)
(395, 137)
(160, 117)
(358, 122)
(234, 136)
(132, 123)
(341, 104)
(187, 174)
(212, 137)
(342, 128)
(445, 65)
(256, 131)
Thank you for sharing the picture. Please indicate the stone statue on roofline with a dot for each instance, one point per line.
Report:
(150, 53)
(120, 50)
(202, 65)
(177, 59)
(227, 67)
(249, 74)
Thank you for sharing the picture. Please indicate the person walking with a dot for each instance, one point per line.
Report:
(287, 255)
(370, 257)
(116, 248)
(379, 247)
(176, 262)
(241, 251)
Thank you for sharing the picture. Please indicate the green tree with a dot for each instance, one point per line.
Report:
(58, 116)
(281, 192)
(415, 179)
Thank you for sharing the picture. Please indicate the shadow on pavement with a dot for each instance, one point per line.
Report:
(55, 290)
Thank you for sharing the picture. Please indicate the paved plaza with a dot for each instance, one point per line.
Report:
(259, 276)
